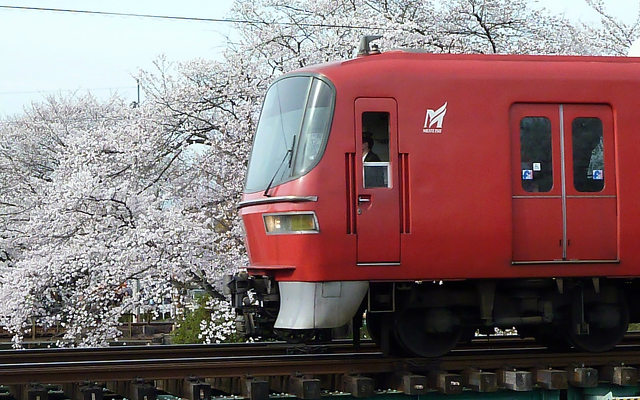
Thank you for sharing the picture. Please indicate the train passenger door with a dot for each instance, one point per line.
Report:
(563, 179)
(537, 192)
(592, 221)
(377, 187)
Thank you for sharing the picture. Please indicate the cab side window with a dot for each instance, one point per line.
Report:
(375, 149)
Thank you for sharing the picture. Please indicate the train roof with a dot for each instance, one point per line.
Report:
(409, 62)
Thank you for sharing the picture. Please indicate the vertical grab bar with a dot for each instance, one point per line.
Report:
(405, 209)
(350, 179)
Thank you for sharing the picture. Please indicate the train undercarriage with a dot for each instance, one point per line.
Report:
(428, 319)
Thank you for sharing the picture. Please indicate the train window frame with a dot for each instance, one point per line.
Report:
(286, 172)
(583, 180)
(375, 124)
(386, 177)
(530, 167)
(308, 148)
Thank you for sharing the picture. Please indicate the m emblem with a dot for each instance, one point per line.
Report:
(434, 119)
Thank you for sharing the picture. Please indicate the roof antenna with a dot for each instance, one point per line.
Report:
(365, 49)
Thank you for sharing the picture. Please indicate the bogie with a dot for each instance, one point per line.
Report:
(553, 319)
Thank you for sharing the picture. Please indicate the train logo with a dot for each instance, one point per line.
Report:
(434, 117)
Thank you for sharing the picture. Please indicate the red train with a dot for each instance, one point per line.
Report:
(503, 192)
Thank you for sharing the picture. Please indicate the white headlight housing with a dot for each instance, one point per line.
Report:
(291, 223)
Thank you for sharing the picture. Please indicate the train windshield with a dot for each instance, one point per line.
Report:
(292, 131)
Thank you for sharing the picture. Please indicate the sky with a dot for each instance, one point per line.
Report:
(44, 53)
(627, 10)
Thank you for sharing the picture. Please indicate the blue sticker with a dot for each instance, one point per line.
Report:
(598, 174)
(527, 174)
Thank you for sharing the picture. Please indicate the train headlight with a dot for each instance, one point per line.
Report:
(293, 222)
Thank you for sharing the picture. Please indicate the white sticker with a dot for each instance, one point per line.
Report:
(537, 166)
(598, 174)
(527, 175)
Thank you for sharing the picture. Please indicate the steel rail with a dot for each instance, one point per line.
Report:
(172, 351)
(237, 349)
(141, 352)
(270, 359)
(346, 363)
(214, 350)
(176, 368)
(529, 359)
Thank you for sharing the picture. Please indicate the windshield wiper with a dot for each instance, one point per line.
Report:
(289, 154)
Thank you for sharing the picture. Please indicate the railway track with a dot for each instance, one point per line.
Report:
(137, 352)
(171, 351)
(264, 359)
(218, 350)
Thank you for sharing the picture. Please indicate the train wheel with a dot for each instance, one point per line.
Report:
(380, 328)
(428, 332)
(608, 323)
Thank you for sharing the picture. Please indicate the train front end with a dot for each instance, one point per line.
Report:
(294, 217)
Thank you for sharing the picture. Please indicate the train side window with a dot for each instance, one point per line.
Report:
(535, 154)
(588, 154)
(375, 149)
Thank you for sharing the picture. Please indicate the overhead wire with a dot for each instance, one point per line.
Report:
(200, 19)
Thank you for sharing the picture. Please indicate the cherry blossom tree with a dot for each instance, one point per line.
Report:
(613, 36)
(110, 196)
(291, 34)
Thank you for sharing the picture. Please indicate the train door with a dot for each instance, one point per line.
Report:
(564, 193)
(591, 183)
(377, 194)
